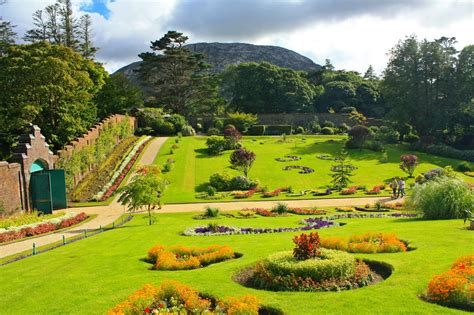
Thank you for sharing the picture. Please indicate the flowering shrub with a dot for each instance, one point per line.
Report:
(41, 228)
(375, 190)
(456, 286)
(229, 230)
(350, 191)
(306, 246)
(173, 297)
(183, 258)
(301, 211)
(247, 194)
(371, 242)
(247, 213)
(274, 193)
(26, 218)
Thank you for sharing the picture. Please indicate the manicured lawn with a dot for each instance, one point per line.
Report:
(91, 276)
(193, 165)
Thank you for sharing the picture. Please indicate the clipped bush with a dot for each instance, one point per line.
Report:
(211, 212)
(241, 121)
(442, 198)
(256, 130)
(188, 131)
(327, 131)
(277, 130)
(178, 121)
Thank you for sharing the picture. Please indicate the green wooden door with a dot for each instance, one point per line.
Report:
(40, 192)
(58, 188)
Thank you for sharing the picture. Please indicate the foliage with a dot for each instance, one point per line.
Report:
(357, 136)
(213, 131)
(188, 131)
(342, 171)
(242, 159)
(444, 150)
(232, 136)
(176, 76)
(118, 95)
(327, 131)
(368, 243)
(144, 190)
(211, 212)
(465, 166)
(183, 258)
(221, 181)
(408, 164)
(215, 145)
(280, 208)
(306, 246)
(387, 134)
(26, 218)
(443, 198)
(243, 183)
(241, 121)
(265, 88)
(160, 122)
(454, 287)
(175, 297)
(50, 86)
(7, 35)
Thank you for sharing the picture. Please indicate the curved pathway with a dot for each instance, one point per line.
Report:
(105, 214)
(108, 214)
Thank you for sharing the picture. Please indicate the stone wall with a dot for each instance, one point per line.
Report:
(10, 187)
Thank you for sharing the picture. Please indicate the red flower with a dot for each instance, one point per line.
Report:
(147, 310)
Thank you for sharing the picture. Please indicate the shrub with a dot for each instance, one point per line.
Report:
(300, 130)
(215, 145)
(327, 131)
(443, 198)
(280, 208)
(444, 150)
(387, 134)
(314, 125)
(411, 138)
(188, 131)
(242, 159)
(242, 183)
(357, 136)
(328, 123)
(221, 181)
(167, 167)
(343, 128)
(454, 287)
(213, 132)
(374, 145)
(372, 242)
(408, 163)
(465, 166)
(277, 130)
(211, 212)
(306, 246)
(348, 110)
(164, 127)
(182, 258)
(241, 121)
(211, 190)
(178, 121)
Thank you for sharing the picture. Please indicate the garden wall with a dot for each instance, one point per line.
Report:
(90, 138)
(10, 187)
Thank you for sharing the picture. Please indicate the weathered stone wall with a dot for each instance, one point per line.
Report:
(10, 187)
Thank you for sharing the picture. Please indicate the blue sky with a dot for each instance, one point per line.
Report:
(97, 6)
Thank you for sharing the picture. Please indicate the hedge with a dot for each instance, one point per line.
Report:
(444, 150)
(257, 130)
(276, 130)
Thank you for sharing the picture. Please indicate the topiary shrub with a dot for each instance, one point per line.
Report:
(188, 131)
(327, 131)
(443, 198)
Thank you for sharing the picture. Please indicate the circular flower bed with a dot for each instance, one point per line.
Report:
(372, 242)
(214, 229)
(326, 157)
(288, 158)
(308, 268)
(454, 288)
(303, 169)
(183, 258)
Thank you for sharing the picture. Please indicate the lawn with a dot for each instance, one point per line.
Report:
(92, 275)
(193, 165)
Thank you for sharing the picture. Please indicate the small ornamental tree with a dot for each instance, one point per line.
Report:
(342, 171)
(144, 191)
(306, 246)
(408, 163)
(358, 135)
(233, 136)
(242, 159)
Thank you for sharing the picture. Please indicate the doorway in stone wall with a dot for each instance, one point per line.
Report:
(47, 187)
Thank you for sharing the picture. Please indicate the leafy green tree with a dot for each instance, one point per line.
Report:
(176, 76)
(242, 159)
(144, 191)
(7, 35)
(370, 74)
(265, 88)
(118, 95)
(48, 85)
(342, 171)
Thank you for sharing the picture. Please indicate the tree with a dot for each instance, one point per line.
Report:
(144, 191)
(357, 136)
(408, 164)
(242, 159)
(370, 74)
(7, 35)
(118, 95)
(68, 23)
(84, 33)
(342, 171)
(175, 76)
(48, 85)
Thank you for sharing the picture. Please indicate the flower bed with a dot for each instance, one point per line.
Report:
(41, 227)
(183, 258)
(288, 158)
(302, 211)
(455, 287)
(247, 194)
(122, 170)
(345, 209)
(372, 209)
(230, 230)
(350, 191)
(273, 193)
(372, 242)
(27, 218)
(361, 216)
(303, 169)
(375, 191)
(173, 297)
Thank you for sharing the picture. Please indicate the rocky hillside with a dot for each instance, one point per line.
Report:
(222, 54)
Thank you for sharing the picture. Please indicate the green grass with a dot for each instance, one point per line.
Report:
(92, 275)
(193, 166)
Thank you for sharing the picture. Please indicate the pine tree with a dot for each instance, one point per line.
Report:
(370, 74)
(86, 47)
(68, 24)
(7, 35)
(342, 171)
(40, 32)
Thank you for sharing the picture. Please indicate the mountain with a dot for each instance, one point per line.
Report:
(220, 55)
